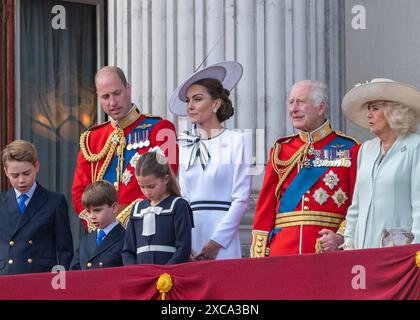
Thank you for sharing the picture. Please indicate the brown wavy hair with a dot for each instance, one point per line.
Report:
(216, 91)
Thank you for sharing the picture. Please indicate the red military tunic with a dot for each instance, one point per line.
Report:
(99, 155)
(322, 205)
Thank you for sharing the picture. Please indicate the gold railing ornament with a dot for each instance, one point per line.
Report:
(164, 284)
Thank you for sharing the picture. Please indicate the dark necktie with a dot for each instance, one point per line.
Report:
(100, 236)
(21, 202)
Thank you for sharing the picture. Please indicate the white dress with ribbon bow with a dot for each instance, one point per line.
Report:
(214, 176)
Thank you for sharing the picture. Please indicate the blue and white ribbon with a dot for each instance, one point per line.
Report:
(198, 151)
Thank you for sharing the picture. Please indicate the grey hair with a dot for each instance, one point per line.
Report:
(401, 118)
(319, 90)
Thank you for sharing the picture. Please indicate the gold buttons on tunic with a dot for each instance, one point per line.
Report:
(306, 208)
(306, 199)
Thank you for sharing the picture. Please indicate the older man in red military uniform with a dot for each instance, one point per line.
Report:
(110, 151)
(308, 183)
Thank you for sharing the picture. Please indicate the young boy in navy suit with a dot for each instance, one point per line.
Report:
(35, 231)
(101, 248)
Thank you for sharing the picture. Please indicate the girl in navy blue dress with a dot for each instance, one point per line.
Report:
(159, 230)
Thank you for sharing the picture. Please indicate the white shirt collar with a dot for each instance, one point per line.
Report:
(30, 193)
(109, 227)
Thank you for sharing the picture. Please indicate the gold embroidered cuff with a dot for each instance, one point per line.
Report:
(84, 215)
(124, 216)
(318, 246)
(342, 228)
(259, 244)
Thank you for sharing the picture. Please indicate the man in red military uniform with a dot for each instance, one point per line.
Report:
(110, 151)
(308, 182)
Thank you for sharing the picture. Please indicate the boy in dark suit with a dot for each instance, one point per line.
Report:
(35, 231)
(101, 248)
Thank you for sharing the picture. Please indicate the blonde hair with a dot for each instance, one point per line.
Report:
(401, 118)
(155, 163)
(19, 150)
(99, 193)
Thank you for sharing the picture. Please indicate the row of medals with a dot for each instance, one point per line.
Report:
(138, 143)
(328, 158)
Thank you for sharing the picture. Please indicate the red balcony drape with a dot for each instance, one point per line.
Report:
(390, 273)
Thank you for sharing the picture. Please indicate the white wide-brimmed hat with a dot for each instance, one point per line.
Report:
(228, 73)
(355, 101)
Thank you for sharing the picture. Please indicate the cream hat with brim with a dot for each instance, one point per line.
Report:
(228, 73)
(356, 100)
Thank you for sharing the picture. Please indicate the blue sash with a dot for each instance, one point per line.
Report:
(305, 179)
(111, 172)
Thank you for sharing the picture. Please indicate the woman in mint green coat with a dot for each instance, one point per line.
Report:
(386, 203)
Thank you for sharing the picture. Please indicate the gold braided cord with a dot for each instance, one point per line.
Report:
(84, 137)
(283, 173)
(114, 144)
(107, 161)
(281, 163)
(120, 154)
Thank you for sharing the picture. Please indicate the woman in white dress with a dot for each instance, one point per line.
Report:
(386, 203)
(214, 171)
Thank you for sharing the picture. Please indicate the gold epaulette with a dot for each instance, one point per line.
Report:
(259, 244)
(97, 126)
(124, 216)
(341, 134)
(148, 115)
(285, 139)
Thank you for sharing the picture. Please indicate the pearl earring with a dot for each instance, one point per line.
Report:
(214, 110)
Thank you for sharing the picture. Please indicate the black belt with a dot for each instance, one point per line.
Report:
(210, 205)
